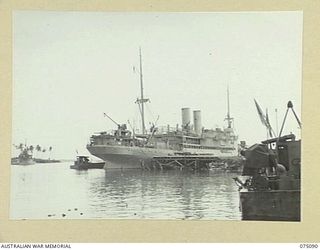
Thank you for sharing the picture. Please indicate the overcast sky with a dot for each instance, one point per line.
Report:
(70, 67)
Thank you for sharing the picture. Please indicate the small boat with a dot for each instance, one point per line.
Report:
(84, 163)
(24, 158)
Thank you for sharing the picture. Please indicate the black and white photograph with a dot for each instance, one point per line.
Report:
(156, 115)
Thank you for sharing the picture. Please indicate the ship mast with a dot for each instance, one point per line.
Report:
(228, 118)
(142, 100)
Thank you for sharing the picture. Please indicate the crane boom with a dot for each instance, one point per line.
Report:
(111, 119)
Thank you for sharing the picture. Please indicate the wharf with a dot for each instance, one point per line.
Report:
(197, 162)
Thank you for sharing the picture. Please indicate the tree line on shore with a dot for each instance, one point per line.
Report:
(31, 149)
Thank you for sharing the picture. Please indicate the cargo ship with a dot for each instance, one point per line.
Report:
(269, 188)
(124, 148)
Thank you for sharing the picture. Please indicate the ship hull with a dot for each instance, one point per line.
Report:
(24, 162)
(123, 157)
(275, 205)
(88, 165)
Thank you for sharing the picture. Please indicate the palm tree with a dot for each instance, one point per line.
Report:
(31, 148)
(50, 149)
(38, 148)
(17, 147)
(44, 150)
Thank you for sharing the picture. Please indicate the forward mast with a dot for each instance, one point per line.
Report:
(142, 100)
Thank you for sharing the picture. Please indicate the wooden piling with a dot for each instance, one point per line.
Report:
(196, 162)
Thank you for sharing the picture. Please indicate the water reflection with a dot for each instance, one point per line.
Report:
(57, 192)
(165, 194)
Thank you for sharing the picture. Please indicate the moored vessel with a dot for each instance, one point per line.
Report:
(24, 158)
(84, 163)
(269, 188)
(123, 148)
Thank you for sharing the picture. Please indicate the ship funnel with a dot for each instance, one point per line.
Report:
(197, 122)
(186, 118)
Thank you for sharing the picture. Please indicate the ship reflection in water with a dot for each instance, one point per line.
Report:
(56, 192)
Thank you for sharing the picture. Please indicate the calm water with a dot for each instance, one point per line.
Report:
(49, 191)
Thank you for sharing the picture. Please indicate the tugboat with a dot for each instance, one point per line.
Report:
(84, 163)
(269, 187)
